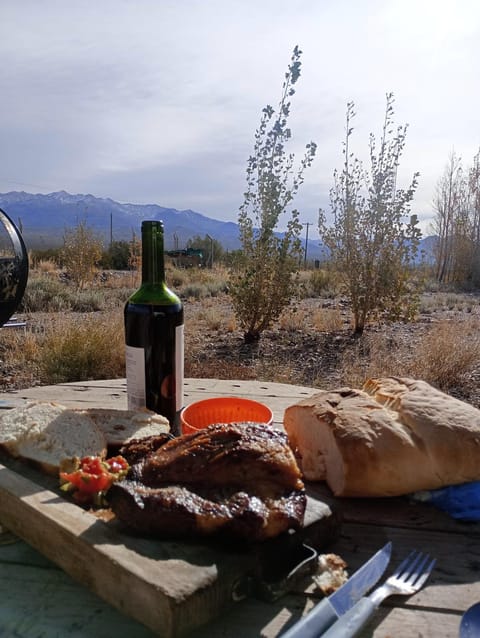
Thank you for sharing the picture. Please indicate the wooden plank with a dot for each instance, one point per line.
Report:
(254, 618)
(47, 602)
(110, 394)
(171, 587)
(433, 612)
(454, 584)
(55, 603)
(422, 623)
(248, 388)
(113, 393)
(399, 511)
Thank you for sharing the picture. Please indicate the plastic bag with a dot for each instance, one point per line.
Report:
(460, 501)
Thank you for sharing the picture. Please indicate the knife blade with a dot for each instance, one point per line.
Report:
(330, 609)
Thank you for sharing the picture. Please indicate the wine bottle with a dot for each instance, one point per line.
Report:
(154, 335)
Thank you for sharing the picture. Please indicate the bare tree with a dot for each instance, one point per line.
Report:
(457, 222)
(449, 202)
(474, 191)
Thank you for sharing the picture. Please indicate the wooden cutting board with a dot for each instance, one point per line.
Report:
(171, 587)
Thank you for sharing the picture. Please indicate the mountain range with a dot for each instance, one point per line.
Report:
(43, 220)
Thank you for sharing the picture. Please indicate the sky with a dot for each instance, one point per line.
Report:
(157, 101)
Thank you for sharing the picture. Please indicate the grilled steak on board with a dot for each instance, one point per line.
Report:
(239, 479)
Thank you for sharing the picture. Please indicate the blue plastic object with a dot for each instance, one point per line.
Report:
(460, 501)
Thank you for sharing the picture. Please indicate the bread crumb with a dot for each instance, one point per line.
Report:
(331, 573)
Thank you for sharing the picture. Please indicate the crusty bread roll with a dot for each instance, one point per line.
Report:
(120, 426)
(45, 433)
(395, 436)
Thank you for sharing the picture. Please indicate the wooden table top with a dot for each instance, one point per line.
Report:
(39, 599)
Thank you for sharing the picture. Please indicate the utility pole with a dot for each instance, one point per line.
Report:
(307, 224)
(211, 249)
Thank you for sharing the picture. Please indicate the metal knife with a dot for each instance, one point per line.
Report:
(330, 609)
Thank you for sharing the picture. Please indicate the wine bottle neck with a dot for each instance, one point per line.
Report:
(153, 266)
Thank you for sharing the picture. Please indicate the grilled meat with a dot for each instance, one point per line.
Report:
(137, 449)
(239, 479)
(246, 455)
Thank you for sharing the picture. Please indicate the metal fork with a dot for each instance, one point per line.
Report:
(409, 577)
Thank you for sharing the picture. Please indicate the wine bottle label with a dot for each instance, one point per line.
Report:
(179, 366)
(135, 369)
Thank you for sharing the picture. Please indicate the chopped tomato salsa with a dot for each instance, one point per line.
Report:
(90, 477)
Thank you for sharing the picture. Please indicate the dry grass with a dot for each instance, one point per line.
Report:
(19, 352)
(328, 320)
(446, 355)
(449, 353)
(74, 336)
(79, 348)
(46, 267)
(65, 347)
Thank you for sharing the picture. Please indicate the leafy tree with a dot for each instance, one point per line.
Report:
(370, 245)
(262, 282)
(211, 248)
(81, 252)
(116, 256)
(231, 257)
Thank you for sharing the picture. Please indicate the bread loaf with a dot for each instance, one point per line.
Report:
(395, 436)
(44, 433)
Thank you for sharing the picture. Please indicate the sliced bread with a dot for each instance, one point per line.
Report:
(45, 433)
(121, 426)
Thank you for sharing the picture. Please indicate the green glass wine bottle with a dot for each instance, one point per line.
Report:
(154, 335)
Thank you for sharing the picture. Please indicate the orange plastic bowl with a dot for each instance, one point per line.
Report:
(200, 414)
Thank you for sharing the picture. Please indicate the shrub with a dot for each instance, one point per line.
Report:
(46, 294)
(195, 291)
(88, 301)
(116, 256)
(47, 266)
(177, 277)
(81, 253)
(83, 348)
(321, 283)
